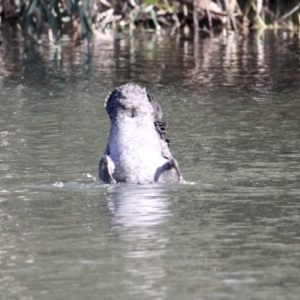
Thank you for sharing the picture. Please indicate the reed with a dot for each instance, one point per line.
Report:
(79, 19)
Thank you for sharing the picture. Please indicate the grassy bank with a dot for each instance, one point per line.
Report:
(79, 19)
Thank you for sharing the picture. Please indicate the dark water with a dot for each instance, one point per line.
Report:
(232, 106)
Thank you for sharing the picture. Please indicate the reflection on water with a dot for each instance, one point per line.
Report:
(249, 61)
(138, 206)
(231, 103)
(138, 211)
(252, 62)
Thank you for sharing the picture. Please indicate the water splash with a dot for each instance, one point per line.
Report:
(58, 184)
(81, 185)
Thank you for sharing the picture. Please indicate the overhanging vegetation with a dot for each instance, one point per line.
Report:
(80, 18)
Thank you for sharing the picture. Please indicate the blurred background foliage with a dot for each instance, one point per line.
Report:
(79, 19)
